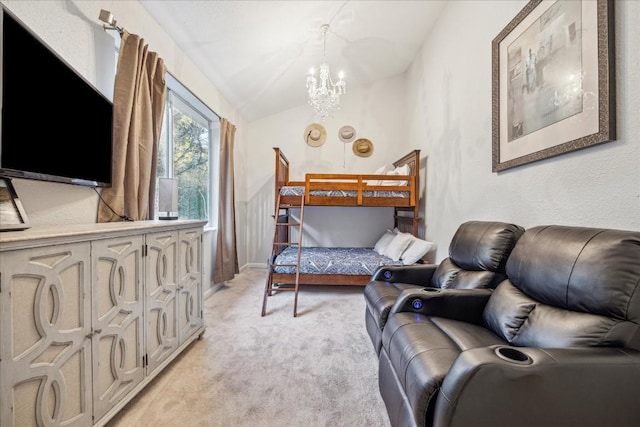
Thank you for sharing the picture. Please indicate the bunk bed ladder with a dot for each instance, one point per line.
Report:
(283, 211)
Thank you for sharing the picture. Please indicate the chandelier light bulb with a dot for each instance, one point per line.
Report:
(324, 94)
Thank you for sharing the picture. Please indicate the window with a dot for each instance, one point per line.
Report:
(188, 151)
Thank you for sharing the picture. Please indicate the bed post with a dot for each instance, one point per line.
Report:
(413, 160)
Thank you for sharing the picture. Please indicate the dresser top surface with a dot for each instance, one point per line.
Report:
(40, 235)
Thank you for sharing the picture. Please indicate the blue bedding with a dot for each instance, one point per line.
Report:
(318, 260)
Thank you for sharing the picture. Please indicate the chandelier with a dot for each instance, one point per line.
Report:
(324, 95)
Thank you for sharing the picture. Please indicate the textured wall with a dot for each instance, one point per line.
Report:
(449, 108)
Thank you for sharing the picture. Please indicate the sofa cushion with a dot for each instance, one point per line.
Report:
(525, 322)
(569, 286)
(483, 245)
(449, 276)
(580, 269)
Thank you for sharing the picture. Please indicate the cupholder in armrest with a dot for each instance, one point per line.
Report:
(513, 355)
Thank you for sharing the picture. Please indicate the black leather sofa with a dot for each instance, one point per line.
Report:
(478, 254)
(557, 343)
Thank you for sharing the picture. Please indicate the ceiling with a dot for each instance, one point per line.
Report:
(258, 53)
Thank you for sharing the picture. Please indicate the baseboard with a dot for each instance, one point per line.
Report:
(253, 265)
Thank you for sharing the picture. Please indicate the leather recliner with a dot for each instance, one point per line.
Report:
(556, 343)
(478, 254)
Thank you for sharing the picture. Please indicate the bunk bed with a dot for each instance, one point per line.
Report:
(343, 266)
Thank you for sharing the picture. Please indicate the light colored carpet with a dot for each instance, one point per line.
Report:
(317, 369)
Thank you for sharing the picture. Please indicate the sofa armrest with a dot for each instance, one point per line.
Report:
(502, 385)
(418, 274)
(460, 304)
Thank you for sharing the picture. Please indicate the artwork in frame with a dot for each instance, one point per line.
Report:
(12, 215)
(553, 81)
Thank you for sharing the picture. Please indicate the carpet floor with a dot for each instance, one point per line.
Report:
(317, 369)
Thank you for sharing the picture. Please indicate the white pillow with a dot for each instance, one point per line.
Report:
(380, 171)
(400, 170)
(389, 181)
(403, 170)
(384, 241)
(397, 246)
(416, 250)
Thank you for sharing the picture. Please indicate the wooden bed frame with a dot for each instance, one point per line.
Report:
(405, 216)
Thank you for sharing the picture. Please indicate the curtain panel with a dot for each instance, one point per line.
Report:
(226, 264)
(138, 106)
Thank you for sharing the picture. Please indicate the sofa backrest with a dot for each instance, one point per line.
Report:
(570, 286)
(478, 254)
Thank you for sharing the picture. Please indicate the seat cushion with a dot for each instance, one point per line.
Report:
(420, 351)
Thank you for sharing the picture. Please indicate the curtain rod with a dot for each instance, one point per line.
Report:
(108, 19)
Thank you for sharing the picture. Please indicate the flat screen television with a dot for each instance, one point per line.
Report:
(55, 125)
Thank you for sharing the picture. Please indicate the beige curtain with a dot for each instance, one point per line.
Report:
(138, 105)
(226, 266)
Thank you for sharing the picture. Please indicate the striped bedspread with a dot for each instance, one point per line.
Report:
(318, 260)
(299, 191)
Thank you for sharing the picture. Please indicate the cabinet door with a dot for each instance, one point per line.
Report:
(161, 297)
(45, 374)
(118, 322)
(190, 278)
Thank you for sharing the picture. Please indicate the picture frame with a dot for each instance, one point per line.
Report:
(12, 215)
(553, 86)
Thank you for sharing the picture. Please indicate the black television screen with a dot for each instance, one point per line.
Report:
(56, 126)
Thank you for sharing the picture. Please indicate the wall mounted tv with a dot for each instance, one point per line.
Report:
(55, 125)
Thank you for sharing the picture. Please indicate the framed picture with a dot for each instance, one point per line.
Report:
(12, 215)
(553, 81)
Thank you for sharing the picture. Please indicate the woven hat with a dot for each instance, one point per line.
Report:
(362, 147)
(314, 135)
(347, 134)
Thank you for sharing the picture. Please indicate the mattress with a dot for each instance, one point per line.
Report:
(299, 191)
(319, 260)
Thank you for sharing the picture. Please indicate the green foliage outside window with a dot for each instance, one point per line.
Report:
(190, 139)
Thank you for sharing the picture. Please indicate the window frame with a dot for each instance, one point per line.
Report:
(177, 88)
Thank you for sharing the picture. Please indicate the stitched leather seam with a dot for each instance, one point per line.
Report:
(566, 294)
(475, 249)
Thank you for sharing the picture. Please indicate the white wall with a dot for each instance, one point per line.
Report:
(377, 113)
(449, 111)
(73, 30)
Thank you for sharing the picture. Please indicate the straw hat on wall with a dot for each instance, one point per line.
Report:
(314, 135)
(347, 134)
(362, 147)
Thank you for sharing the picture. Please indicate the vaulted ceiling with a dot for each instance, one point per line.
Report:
(258, 53)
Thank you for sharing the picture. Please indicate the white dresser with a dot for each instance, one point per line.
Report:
(89, 314)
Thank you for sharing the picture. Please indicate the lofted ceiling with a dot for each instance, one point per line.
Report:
(258, 53)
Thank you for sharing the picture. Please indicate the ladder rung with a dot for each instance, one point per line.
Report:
(284, 265)
(286, 244)
(289, 224)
